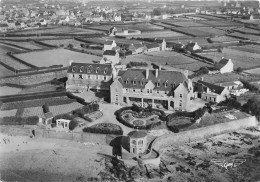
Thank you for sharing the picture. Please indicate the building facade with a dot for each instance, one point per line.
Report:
(85, 76)
(158, 88)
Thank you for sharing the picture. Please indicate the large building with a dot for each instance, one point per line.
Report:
(159, 88)
(85, 76)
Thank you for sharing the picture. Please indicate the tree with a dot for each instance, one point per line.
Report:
(70, 46)
(239, 70)
(157, 12)
(45, 108)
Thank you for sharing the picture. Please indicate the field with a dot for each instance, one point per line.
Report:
(25, 44)
(249, 48)
(64, 42)
(238, 60)
(193, 32)
(5, 90)
(247, 36)
(5, 72)
(117, 40)
(57, 30)
(247, 30)
(65, 108)
(160, 34)
(200, 41)
(56, 57)
(214, 31)
(170, 59)
(208, 17)
(253, 71)
(184, 24)
(221, 23)
(8, 113)
(224, 39)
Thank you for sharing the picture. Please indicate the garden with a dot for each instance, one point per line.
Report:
(141, 118)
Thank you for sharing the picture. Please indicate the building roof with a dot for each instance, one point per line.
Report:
(89, 68)
(48, 115)
(110, 52)
(221, 64)
(109, 42)
(137, 134)
(214, 88)
(165, 81)
(153, 45)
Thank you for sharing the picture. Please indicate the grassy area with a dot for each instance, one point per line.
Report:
(25, 44)
(255, 49)
(64, 42)
(184, 24)
(248, 36)
(221, 23)
(214, 31)
(194, 32)
(224, 39)
(56, 57)
(160, 34)
(238, 60)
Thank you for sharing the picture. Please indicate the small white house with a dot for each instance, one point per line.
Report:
(109, 45)
(225, 66)
(63, 123)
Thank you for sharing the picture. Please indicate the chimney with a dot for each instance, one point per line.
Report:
(201, 78)
(147, 73)
(156, 73)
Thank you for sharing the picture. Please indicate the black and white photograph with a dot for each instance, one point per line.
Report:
(129, 90)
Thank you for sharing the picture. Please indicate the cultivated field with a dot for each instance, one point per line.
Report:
(247, 36)
(238, 60)
(8, 113)
(56, 57)
(224, 39)
(254, 49)
(160, 34)
(25, 44)
(184, 24)
(208, 17)
(64, 42)
(117, 40)
(32, 111)
(221, 23)
(211, 30)
(248, 30)
(193, 32)
(171, 59)
(5, 72)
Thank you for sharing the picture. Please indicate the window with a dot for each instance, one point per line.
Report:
(214, 99)
(89, 76)
(206, 97)
(141, 90)
(97, 70)
(134, 142)
(148, 90)
(126, 82)
(105, 71)
(166, 84)
(158, 91)
(73, 76)
(80, 76)
(81, 69)
(140, 142)
(134, 82)
(97, 77)
(116, 89)
(180, 104)
(180, 95)
(133, 89)
(127, 90)
(105, 77)
(158, 84)
(73, 69)
(89, 69)
(151, 91)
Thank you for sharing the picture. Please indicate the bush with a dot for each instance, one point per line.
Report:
(45, 108)
(133, 64)
(104, 128)
(174, 129)
(73, 124)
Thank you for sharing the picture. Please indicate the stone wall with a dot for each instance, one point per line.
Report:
(204, 132)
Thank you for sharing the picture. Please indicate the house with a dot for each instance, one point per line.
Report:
(136, 48)
(152, 47)
(85, 76)
(97, 18)
(3, 27)
(192, 47)
(110, 56)
(254, 17)
(48, 118)
(224, 66)
(158, 88)
(231, 85)
(63, 123)
(109, 45)
(211, 92)
(117, 17)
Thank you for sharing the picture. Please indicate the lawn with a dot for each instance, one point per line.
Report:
(56, 57)
(253, 71)
(238, 60)
(5, 90)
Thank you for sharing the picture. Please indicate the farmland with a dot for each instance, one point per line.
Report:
(56, 57)
(225, 39)
(64, 42)
(194, 32)
(254, 49)
(160, 34)
(8, 113)
(184, 24)
(25, 44)
(248, 30)
(253, 71)
(5, 90)
(208, 17)
(117, 40)
(171, 59)
(221, 23)
(247, 36)
(214, 31)
(238, 60)
(5, 72)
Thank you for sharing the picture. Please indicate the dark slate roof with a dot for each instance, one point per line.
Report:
(108, 42)
(136, 78)
(221, 64)
(153, 45)
(48, 115)
(89, 68)
(214, 88)
(110, 52)
(137, 134)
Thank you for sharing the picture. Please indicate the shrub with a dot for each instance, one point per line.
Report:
(45, 108)
(174, 129)
(133, 64)
(73, 124)
(104, 128)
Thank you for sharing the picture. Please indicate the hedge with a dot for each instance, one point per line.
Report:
(21, 61)
(110, 129)
(32, 120)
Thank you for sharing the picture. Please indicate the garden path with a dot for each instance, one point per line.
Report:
(109, 117)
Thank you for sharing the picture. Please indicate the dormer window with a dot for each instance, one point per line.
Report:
(105, 71)
(81, 69)
(126, 82)
(89, 69)
(142, 82)
(97, 70)
(158, 84)
(166, 84)
(73, 69)
(134, 82)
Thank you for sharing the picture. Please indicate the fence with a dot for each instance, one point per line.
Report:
(205, 132)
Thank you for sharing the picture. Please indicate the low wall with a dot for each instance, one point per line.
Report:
(81, 137)
(204, 132)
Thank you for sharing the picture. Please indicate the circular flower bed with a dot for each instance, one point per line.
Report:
(104, 128)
